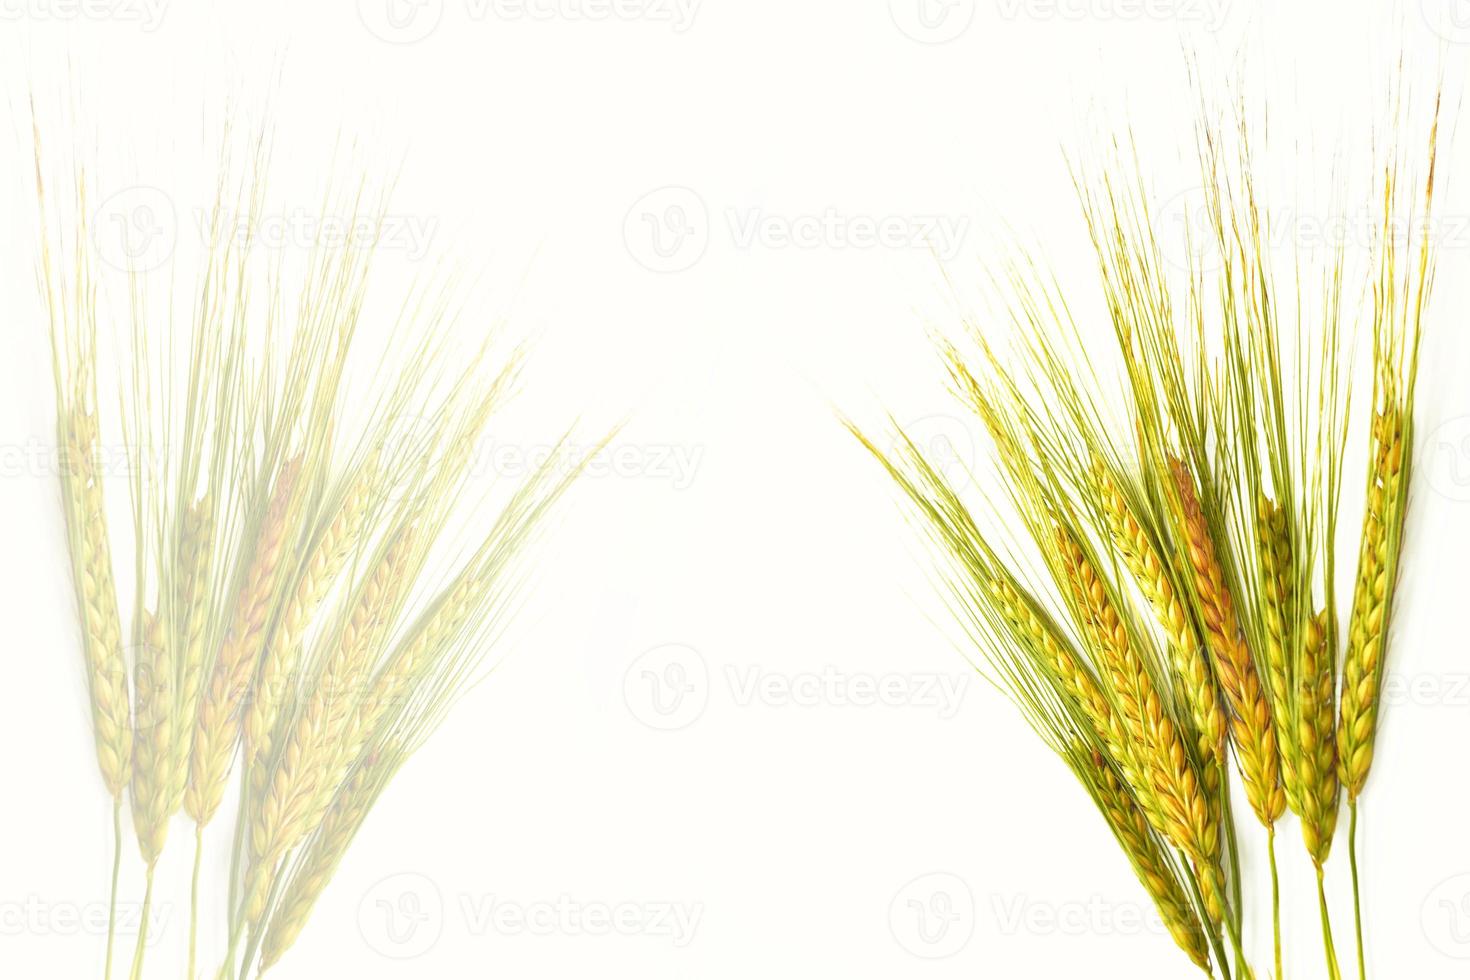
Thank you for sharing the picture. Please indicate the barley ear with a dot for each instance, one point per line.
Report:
(1251, 725)
(107, 669)
(217, 726)
(1362, 668)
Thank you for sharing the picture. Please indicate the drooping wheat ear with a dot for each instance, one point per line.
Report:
(1188, 817)
(1250, 725)
(322, 856)
(1131, 827)
(1362, 666)
(283, 651)
(395, 681)
(107, 668)
(1274, 543)
(1186, 650)
(155, 725)
(1316, 744)
(306, 773)
(217, 727)
(193, 608)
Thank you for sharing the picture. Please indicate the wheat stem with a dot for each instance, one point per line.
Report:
(1357, 899)
(1334, 972)
(142, 943)
(112, 900)
(194, 901)
(1275, 897)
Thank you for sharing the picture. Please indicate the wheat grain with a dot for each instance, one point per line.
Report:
(1275, 547)
(1316, 774)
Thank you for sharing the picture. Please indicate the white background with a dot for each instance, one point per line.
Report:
(745, 526)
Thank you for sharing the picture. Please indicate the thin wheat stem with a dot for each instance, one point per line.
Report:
(112, 901)
(1357, 899)
(1275, 898)
(1334, 972)
(1242, 967)
(194, 901)
(143, 926)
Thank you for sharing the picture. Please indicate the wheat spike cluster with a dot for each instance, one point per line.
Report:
(294, 577)
(1150, 570)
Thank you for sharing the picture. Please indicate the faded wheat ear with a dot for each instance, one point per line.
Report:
(217, 726)
(153, 739)
(107, 668)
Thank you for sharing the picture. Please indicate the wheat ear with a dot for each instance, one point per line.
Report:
(283, 651)
(107, 669)
(306, 774)
(1251, 724)
(1132, 830)
(193, 609)
(1275, 547)
(322, 856)
(1316, 777)
(218, 723)
(1185, 647)
(1362, 665)
(1186, 814)
(155, 722)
